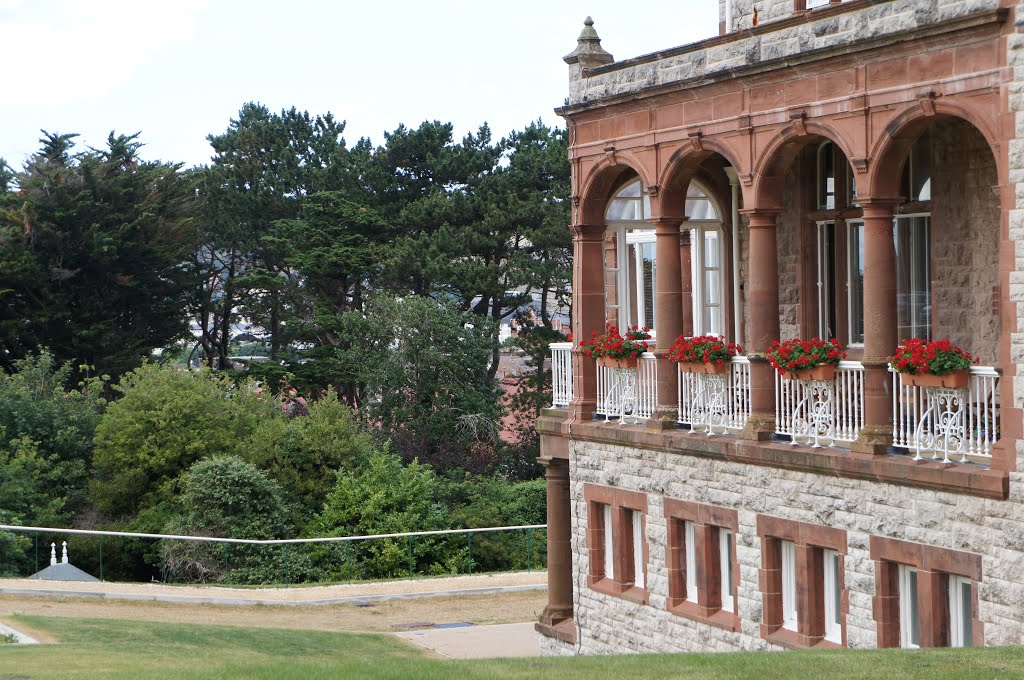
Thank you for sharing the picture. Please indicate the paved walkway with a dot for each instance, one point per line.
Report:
(353, 593)
(478, 642)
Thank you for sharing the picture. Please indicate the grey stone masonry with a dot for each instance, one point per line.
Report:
(608, 624)
(686, 63)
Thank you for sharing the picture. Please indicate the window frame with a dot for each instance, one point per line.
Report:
(935, 569)
(713, 536)
(628, 577)
(811, 543)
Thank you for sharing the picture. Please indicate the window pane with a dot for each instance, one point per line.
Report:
(921, 169)
(638, 549)
(711, 249)
(713, 320)
(855, 285)
(690, 540)
(725, 565)
(712, 288)
(649, 283)
(634, 283)
(788, 550)
(966, 613)
(913, 277)
(826, 176)
(609, 555)
(915, 624)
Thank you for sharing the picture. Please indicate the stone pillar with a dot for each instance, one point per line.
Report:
(763, 320)
(588, 314)
(560, 605)
(686, 281)
(880, 323)
(668, 310)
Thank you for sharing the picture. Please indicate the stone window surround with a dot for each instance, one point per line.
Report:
(810, 540)
(622, 503)
(707, 520)
(934, 566)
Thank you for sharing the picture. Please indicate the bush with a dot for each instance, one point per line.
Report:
(166, 420)
(386, 497)
(227, 497)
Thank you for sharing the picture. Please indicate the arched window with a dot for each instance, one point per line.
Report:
(631, 269)
(912, 238)
(707, 261)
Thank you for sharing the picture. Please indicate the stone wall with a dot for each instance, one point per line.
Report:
(609, 624)
(1015, 60)
(965, 239)
(745, 49)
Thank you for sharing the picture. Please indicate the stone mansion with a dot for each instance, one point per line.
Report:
(839, 169)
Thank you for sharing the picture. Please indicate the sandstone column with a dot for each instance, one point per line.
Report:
(588, 313)
(668, 309)
(763, 321)
(560, 605)
(686, 279)
(880, 324)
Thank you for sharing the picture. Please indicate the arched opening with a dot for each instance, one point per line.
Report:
(820, 234)
(946, 233)
(631, 270)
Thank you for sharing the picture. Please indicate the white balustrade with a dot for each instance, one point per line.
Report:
(938, 422)
(561, 373)
(628, 394)
(821, 412)
(716, 404)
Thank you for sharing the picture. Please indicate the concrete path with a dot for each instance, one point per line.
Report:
(478, 642)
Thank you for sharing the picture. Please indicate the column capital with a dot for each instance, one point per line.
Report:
(665, 224)
(878, 207)
(760, 218)
(588, 232)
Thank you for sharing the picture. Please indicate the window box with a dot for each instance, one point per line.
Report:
(701, 367)
(823, 372)
(612, 362)
(954, 380)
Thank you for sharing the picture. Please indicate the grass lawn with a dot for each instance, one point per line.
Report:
(122, 649)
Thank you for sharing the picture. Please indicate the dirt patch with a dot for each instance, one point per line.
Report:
(381, 617)
(42, 636)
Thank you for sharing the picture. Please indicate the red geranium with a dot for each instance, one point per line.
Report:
(614, 345)
(797, 354)
(940, 357)
(703, 349)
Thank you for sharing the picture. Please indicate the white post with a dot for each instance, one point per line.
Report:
(64, 556)
(737, 310)
(53, 554)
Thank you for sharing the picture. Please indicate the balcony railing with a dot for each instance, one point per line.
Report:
(954, 426)
(716, 404)
(561, 373)
(821, 413)
(627, 394)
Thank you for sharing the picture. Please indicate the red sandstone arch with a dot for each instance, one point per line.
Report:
(893, 144)
(776, 158)
(601, 183)
(683, 166)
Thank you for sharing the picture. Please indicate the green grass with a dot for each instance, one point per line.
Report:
(124, 649)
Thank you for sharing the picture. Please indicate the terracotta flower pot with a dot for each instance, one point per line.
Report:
(613, 362)
(823, 372)
(956, 379)
(701, 367)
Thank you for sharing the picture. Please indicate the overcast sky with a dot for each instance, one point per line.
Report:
(178, 70)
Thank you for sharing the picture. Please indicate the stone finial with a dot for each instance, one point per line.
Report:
(588, 52)
(64, 556)
(53, 554)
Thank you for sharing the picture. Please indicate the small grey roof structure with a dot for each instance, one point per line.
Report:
(63, 570)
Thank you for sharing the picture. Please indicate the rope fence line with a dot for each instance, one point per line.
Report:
(272, 541)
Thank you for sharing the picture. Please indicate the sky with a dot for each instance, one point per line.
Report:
(179, 70)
